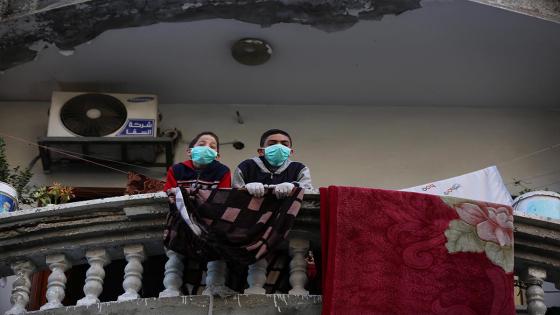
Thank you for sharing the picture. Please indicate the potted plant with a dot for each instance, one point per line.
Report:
(53, 195)
(542, 203)
(13, 183)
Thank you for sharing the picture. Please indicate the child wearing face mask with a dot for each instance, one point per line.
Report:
(201, 169)
(272, 166)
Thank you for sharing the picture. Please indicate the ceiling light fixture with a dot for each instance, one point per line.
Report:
(251, 51)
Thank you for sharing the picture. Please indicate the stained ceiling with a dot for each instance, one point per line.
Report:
(444, 53)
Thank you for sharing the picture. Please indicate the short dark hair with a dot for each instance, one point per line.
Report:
(204, 133)
(270, 132)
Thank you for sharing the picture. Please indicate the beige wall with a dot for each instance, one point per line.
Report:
(383, 147)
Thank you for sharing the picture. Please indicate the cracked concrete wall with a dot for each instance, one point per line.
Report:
(28, 27)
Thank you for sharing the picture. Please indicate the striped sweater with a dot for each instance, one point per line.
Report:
(214, 175)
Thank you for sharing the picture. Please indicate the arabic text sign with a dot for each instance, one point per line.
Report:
(138, 127)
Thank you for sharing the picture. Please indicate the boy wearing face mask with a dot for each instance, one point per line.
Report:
(201, 169)
(272, 166)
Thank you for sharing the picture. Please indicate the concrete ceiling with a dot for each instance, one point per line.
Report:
(447, 53)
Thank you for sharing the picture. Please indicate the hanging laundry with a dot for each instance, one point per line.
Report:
(229, 224)
(391, 252)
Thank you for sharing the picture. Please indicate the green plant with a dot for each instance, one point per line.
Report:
(55, 194)
(15, 176)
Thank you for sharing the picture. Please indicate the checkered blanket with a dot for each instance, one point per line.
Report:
(229, 223)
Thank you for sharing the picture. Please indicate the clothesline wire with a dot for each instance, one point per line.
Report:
(549, 184)
(538, 187)
(97, 157)
(76, 155)
(528, 155)
(533, 177)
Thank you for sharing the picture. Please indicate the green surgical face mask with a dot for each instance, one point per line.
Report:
(277, 154)
(203, 155)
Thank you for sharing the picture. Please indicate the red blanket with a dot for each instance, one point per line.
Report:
(390, 252)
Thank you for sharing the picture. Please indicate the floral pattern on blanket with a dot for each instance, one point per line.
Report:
(482, 227)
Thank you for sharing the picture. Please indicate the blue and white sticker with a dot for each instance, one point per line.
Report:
(138, 127)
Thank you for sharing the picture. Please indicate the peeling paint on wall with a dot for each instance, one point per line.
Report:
(26, 28)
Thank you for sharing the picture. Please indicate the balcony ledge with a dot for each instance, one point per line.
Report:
(201, 304)
(110, 224)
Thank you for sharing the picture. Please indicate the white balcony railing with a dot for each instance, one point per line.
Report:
(100, 231)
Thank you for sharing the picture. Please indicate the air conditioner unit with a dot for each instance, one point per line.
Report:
(106, 115)
(80, 114)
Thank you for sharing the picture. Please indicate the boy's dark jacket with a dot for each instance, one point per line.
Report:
(259, 170)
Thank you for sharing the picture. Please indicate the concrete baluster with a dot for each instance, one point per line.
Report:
(256, 277)
(57, 280)
(216, 279)
(173, 278)
(21, 287)
(534, 278)
(132, 283)
(298, 266)
(97, 259)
